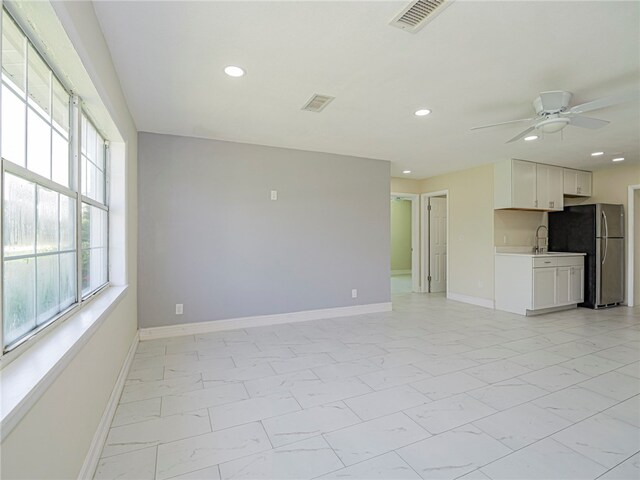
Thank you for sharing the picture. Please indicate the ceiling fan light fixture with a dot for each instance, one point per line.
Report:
(531, 138)
(552, 125)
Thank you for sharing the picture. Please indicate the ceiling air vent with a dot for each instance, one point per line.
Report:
(317, 103)
(417, 14)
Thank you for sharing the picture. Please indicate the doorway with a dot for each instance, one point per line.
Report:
(435, 248)
(405, 265)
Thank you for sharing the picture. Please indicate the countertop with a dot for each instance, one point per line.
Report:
(548, 254)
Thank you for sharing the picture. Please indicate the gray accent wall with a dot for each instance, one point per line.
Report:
(211, 238)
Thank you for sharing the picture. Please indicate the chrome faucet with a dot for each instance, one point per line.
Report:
(541, 248)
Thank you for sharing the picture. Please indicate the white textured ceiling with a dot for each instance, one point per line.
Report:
(478, 62)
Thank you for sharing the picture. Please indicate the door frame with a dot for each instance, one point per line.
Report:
(415, 236)
(424, 247)
(631, 240)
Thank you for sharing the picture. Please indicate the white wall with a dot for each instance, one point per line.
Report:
(471, 237)
(215, 241)
(51, 441)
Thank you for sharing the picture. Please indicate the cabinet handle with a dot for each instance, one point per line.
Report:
(551, 204)
(535, 203)
(578, 189)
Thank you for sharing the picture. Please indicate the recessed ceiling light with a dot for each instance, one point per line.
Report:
(597, 154)
(531, 137)
(406, 172)
(422, 112)
(233, 71)
(619, 159)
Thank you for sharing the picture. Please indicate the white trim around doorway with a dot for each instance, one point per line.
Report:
(424, 245)
(631, 243)
(415, 237)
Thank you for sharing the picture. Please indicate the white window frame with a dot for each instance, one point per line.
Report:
(11, 351)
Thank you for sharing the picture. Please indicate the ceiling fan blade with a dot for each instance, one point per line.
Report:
(587, 122)
(604, 102)
(521, 134)
(503, 123)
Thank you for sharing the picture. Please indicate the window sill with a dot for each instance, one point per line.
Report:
(26, 378)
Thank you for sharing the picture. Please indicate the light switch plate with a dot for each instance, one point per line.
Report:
(179, 308)
(274, 194)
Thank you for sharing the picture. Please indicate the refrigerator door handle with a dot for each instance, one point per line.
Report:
(606, 236)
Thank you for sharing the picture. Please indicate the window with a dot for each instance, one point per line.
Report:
(48, 264)
(94, 209)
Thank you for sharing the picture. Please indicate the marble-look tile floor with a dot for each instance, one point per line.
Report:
(435, 389)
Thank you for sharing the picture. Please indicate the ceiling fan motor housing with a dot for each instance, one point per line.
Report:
(552, 102)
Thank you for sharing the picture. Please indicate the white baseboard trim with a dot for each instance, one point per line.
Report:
(481, 302)
(95, 449)
(401, 272)
(260, 321)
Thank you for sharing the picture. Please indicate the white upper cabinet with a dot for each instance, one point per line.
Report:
(519, 184)
(523, 184)
(577, 183)
(549, 187)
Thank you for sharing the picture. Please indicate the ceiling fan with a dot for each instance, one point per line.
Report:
(554, 114)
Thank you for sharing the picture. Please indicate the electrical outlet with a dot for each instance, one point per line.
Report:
(179, 309)
(354, 293)
(274, 194)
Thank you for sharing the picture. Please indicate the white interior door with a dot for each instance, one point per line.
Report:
(437, 213)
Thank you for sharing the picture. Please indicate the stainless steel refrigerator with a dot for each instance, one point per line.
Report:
(598, 231)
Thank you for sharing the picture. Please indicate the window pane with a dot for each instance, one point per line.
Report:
(19, 227)
(91, 142)
(94, 248)
(48, 292)
(13, 57)
(100, 153)
(100, 186)
(84, 123)
(19, 298)
(38, 83)
(14, 126)
(84, 238)
(60, 108)
(38, 145)
(47, 238)
(90, 181)
(67, 280)
(67, 223)
(60, 159)
(98, 268)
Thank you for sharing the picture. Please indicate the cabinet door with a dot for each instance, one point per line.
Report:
(570, 181)
(544, 287)
(583, 183)
(563, 285)
(549, 187)
(523, 184)
(576, 285)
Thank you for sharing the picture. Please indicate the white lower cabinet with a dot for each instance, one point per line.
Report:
(530, 284)
(544, 287)
(576, 284)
